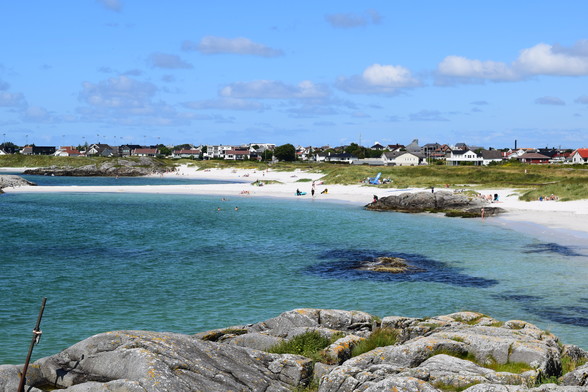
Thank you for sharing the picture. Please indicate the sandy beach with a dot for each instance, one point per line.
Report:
(566, 221)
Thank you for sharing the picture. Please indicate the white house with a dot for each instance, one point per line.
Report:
(579, 156)
(457, 157)
(402, 158)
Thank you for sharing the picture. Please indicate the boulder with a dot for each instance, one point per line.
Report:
(12, 181)
(152, 361)
(453, 204)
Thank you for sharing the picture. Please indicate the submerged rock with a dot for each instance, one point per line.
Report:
(391, 265)
(460, 351)
(452, 204)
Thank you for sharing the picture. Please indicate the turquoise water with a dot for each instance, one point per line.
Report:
(173, 263)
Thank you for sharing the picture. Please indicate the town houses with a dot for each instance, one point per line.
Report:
(378, 154)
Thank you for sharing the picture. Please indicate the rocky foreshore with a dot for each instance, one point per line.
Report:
(452, 204)
(13, 181)
(463, 351)
(111, 168)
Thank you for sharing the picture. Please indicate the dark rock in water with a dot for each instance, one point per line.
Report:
(10, 181)
(453, 204)
(111, 168)
(391, 265)
(457, 351)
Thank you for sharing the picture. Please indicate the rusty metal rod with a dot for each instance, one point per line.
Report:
(35, 340)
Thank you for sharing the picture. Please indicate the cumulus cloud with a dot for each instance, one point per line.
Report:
(37, 114)
(347, 21)
(8, 99)
(270, 89)
(118, 92)
(169, 61)
(541, 59)
(549, 101)
(224, 104)
(219, 45)
(379, 79)
(582, 99)
(113, 5)
(427, 115)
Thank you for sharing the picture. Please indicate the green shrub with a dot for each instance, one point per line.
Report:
(309, 344)
(379, 338)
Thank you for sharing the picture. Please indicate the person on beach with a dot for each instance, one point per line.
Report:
(482, 212)
(325, 191)
(375, 198)
(312, 192)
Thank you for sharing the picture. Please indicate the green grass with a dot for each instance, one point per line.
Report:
(309, 344)
(509, 367)
(381, 337)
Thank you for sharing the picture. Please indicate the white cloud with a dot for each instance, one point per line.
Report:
(118, 92)
(582, 99)
(225, 104)
(37, 114)
(550, 101)
(113, 5)
(243, 46)
(379, 79)
(346, 21)
(541, 59)
(456, 66)
(169, 61)
(11, 99)
(427, 115)
(269, 89)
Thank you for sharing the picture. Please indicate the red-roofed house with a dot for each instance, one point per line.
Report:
(237, 155)
(67, 151)
(580, 156)
(533, 157)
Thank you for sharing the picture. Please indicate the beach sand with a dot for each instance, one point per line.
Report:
(566, 221)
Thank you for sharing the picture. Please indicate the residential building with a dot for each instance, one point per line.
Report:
(102, 150)
(402, 158)
(459, 157)
(67, 151)
(38, 150)
(186, 154)
(145, 152)
(238, 154)
(341, 158)
(579, 156)
(534, 158)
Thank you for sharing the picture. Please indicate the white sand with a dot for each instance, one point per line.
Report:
(547, 219)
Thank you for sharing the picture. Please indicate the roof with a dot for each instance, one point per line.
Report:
(194, 152)
(583, 152)
(491, 154)
(145, 151)
(533, 155)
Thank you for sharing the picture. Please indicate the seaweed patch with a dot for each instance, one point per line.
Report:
(348, 264)
(551, 247)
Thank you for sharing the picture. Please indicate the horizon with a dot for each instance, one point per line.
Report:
(332, 73)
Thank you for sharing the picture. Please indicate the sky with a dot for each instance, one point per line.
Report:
(317, 73)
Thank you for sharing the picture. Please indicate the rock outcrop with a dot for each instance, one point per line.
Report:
(461, 351)
(9, 181)
(111, 168)
(452, 204)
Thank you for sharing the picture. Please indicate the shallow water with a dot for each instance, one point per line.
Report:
(173, 263)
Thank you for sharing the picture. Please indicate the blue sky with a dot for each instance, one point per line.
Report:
(307, 73)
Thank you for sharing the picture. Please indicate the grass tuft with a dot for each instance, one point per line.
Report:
(381, 337)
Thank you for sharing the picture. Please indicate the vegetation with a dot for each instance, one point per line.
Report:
(379, 338)
(309, 344)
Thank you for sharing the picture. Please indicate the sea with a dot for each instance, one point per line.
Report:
(158, 262)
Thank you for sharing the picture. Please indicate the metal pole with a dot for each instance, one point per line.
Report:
(36, 336)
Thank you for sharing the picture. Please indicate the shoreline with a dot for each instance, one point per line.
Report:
(542, 219)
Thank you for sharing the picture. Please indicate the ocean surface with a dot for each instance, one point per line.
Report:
(174, 263)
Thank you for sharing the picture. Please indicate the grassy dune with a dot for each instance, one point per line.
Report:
(565, 181)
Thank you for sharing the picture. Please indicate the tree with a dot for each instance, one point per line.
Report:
(285, 152)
